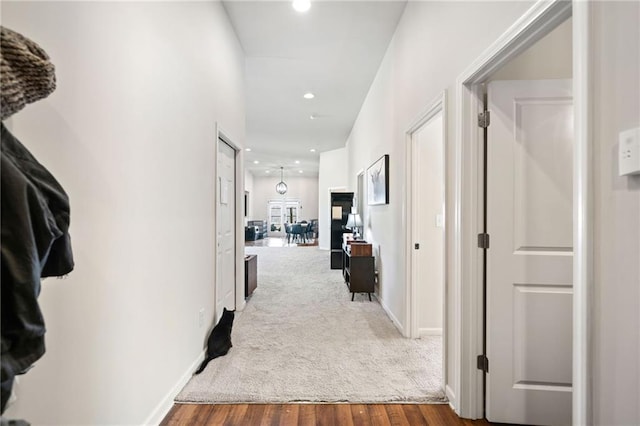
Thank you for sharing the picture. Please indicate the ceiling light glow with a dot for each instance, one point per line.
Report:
(299, 171)
(297, 161)
(247, 149)
(309, 95)
(312, 150)
(301, 5)
(256, 162)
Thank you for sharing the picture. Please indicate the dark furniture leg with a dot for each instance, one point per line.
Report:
(352, 295)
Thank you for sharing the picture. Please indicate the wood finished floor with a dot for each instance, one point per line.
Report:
(316, 414)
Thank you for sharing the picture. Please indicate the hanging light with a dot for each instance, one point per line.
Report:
(281, 187)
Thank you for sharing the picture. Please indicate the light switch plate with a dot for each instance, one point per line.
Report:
(629, 152)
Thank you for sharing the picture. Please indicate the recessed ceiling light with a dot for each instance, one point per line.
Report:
(247, 149)
(301, 5)
(312, 117)
(299, 171)
(268, 171)
(312, 150)
(309, 95)
(297, 161)
(256, 162)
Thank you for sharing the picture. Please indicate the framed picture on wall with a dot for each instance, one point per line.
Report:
(378, 181)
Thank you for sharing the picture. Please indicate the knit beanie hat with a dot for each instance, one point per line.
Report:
(26, 74)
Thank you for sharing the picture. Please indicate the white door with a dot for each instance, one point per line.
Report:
(226, 277)
(529, 262)
(428, 225)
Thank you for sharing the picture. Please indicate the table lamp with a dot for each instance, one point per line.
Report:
(354, 223)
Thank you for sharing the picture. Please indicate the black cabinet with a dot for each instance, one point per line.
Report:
(358, 272)
(341, 203)
(250, 274)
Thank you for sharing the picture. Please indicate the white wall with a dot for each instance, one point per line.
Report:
(434, 43)
(130, 134)
(332, 175)
(304, 189)
(616, 310)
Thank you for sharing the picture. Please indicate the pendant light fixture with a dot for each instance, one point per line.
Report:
(281, 187)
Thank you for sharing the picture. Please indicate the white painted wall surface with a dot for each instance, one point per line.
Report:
(303, 189)
(616, 310)
(332, 174)
(434, 43)
(130, 134)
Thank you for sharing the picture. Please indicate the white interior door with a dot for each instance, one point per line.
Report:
(225, 280)
(428, 225)
(529, 262)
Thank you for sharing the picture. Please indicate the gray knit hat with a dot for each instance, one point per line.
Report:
(26, 74)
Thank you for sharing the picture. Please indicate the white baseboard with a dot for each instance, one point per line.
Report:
(429, 332)
(451, 396)
(392, 317)
(163, 407)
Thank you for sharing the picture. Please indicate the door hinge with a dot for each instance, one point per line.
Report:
(483, 363)
(484, 119)
(483, 241)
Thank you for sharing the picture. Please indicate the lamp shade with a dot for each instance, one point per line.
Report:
(354, 221)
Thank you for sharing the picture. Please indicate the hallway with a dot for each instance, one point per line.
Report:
(301, 339)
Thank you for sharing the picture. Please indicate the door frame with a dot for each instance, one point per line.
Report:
(222, 135)
(466, 329)
(435, 107)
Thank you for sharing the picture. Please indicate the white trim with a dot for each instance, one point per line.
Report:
(422, 332)
(582, 212)
(466, 331)
(392, 317)
(162, 409)
(451, 396)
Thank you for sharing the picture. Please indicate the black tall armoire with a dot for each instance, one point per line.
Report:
(341, 203)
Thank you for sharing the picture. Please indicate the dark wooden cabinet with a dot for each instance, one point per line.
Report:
(358, 272)
(250, 274)
(341, 203)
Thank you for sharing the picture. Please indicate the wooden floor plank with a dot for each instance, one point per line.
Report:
(290, 415)
(253, 415)
(414, 415)
(307, 415)
(395, 412)
(378, 415)
(326, 415)
(236, 414)
(316, 414)
(218, 415)
(343, 415)
(360, 415)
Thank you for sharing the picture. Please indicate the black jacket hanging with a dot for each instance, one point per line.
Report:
(35, 243)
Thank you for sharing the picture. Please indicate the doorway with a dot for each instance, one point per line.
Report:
(426, 236)
(227, 220)
(538, 22)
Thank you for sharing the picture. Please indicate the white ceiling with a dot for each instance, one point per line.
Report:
(333, 50)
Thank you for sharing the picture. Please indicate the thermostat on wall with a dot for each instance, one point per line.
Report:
(629, 152)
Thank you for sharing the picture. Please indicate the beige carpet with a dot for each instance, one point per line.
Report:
(301, 338)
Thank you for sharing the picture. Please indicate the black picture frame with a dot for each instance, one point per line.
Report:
(378, 181)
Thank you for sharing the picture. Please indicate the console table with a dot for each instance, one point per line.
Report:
(358, 271)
